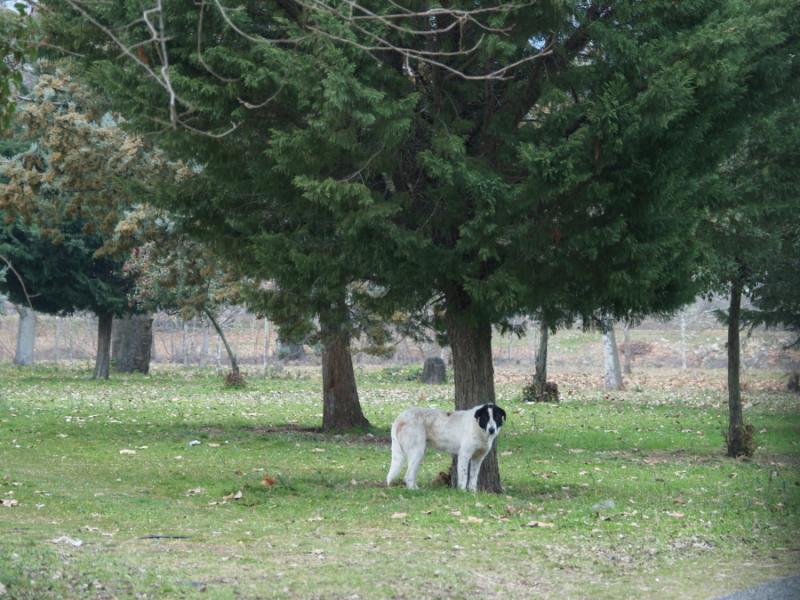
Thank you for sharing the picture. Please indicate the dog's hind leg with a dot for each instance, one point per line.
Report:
(398, 457)
(414, 459)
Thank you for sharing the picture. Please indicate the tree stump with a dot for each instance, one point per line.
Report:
(794, 383)
(434, 371)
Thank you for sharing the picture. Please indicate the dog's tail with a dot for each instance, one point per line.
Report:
(398, 457)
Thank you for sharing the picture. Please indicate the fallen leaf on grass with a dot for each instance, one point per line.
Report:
(212, 445)
(399, 515)
(539, 524)
(233, 496)
(196, 491)
(127, 451)
(471, 520)
(318, 450)
(8, 502)
(268, 481)
(675, 514)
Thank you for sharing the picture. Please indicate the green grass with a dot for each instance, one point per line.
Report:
(686, 522)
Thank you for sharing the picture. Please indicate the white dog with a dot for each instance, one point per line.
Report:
(467, 434)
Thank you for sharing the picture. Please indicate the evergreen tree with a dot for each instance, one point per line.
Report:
(65, 276)
(490, 158)
(753, 238)
(62, 192)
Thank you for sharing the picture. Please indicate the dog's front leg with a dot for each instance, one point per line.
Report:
(474, 470)
(463, 470)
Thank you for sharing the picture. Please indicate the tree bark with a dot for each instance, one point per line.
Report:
(626, 345)
(204, 346)
(26, 336)
(231, 355)
(683, 339)
(103, 356)
(57, 344)
(266, 344)
(613, 374)
(540, 374)
(131, 344)
(739, 439)
(473, 372)
(341, 409)
(184, 343)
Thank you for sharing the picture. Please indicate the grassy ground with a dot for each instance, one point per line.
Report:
(630, 492)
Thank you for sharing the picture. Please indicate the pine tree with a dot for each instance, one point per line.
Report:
(753, 238)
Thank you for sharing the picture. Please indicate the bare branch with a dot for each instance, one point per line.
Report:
(200, 47)
(19, 278)
(247, 104)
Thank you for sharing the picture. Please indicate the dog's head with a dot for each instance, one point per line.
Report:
(490, 418)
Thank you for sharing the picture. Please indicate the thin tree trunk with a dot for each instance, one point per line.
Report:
(266, 343)
(737, 444)
(626, 345)
(231, 355)
(683, 340)
(71, 339)
(184, 343)
(473, 372)
(153, 355)
(204, 346)
(57, 347)
(103, 356)
(26, 336)
(341, 409)
(613, 375)
(540, 374)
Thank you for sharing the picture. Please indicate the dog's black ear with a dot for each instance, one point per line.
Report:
(482, 416)
(499, 415)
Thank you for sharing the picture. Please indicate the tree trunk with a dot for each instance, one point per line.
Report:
(613, 375)
(683, 340)
(204, 346)
(131, 344)
(540, 374)
(184, 344)
(103, 356)
(26, 336)
(57, 344)
(231, 355)
(626, 345)
(341, 409)
(473, 373)
(740, 437)
(266, 344)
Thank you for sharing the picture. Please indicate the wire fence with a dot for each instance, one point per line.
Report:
(694, 338)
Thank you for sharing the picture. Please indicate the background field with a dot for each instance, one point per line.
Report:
(608, 495)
